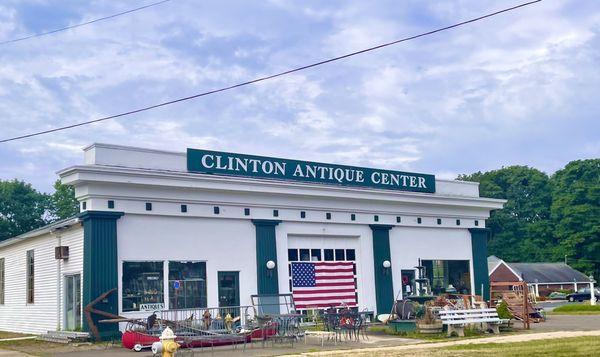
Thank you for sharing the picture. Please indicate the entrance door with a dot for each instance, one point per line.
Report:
(229, 288)
(72, 302)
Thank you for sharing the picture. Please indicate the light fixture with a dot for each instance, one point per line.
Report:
(387, 264)
(270, 265)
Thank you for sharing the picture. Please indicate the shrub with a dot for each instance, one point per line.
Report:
(503, 311)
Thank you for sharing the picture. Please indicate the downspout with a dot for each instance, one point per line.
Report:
(58, 282)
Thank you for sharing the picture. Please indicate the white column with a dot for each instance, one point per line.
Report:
(537, 290)
(575, 285)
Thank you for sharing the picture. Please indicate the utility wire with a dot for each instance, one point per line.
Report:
(82, 24)
(261, 79)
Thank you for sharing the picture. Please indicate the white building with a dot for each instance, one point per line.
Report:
(209, 223)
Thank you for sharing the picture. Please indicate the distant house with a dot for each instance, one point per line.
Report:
(544, 278)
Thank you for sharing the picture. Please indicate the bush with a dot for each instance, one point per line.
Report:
(503, 311)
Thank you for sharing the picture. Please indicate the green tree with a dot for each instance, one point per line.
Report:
(576, 212)
(62, 202)
(522, 231)
(22, 208)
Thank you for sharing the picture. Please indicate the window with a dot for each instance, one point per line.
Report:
(350, 254)
(398, 219)
(302, 214)
(183, 208)
(191, 278)
(275, 213)
(328, 215)
(30, 278)
(328, 255)
(216, 210)
(315, 255)
(339, 254)
(111, 204)
(148, 206)
(293, 255)
(2, 281)
(353, 217)
(448, 276)
(376, 218)
(143, 286)
(246, 211)
(304, 255)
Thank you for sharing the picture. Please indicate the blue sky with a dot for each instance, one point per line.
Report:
(520, 88)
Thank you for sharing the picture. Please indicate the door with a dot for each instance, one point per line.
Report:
(72, 302)
(229, 288)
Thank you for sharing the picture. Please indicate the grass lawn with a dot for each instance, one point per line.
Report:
(577, 309)
(576, 346)
(43, 348)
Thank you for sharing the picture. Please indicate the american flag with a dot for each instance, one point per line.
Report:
(323, 284)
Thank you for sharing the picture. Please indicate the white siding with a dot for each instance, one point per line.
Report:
(18, 316)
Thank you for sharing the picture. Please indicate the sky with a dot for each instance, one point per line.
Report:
(521, 88)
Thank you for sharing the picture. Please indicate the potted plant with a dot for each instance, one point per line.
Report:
(426, 321)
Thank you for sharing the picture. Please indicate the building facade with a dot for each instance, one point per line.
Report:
(180, 230)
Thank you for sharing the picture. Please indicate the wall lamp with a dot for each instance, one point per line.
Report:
(270, 266)
(386, 266)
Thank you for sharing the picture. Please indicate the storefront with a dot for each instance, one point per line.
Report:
(202, 228)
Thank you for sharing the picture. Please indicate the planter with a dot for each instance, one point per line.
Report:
(402, 325)
(430, 328)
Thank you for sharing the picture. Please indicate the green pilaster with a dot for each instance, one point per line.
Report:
(479, 237)
(100, 266)
(384, 286)
(266, 249)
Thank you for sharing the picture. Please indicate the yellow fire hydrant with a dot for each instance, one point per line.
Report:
(169, 346)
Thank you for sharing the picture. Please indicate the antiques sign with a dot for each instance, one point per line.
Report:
(223, 163)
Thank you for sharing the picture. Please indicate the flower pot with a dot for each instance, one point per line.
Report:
(435, 327)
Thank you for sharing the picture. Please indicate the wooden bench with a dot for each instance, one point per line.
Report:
(457, 319)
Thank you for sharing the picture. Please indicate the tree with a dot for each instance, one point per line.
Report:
(62, 202)
(22, 208)
(522, 230)
(576, 211)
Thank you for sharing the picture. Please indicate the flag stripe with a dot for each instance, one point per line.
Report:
(307, 292)
(313, 306)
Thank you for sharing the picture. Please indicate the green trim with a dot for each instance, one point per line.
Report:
(384, 285)
(479, 237)
(266, 249)
(100, 266)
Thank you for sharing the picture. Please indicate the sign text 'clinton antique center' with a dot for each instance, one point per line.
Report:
(223, 163)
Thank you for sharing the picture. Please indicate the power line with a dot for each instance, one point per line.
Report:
(261, 79)
(82, 24)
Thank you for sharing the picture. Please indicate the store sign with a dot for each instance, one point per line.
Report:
(223, 163)
(152, 307)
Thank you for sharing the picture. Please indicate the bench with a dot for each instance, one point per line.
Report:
(457, 319)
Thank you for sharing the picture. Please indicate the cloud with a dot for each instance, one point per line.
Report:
(519, 88)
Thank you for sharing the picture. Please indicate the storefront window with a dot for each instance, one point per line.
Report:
(143, 286)
(187, 285)
(448, 276)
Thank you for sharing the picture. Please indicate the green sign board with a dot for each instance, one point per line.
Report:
(225, 163)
